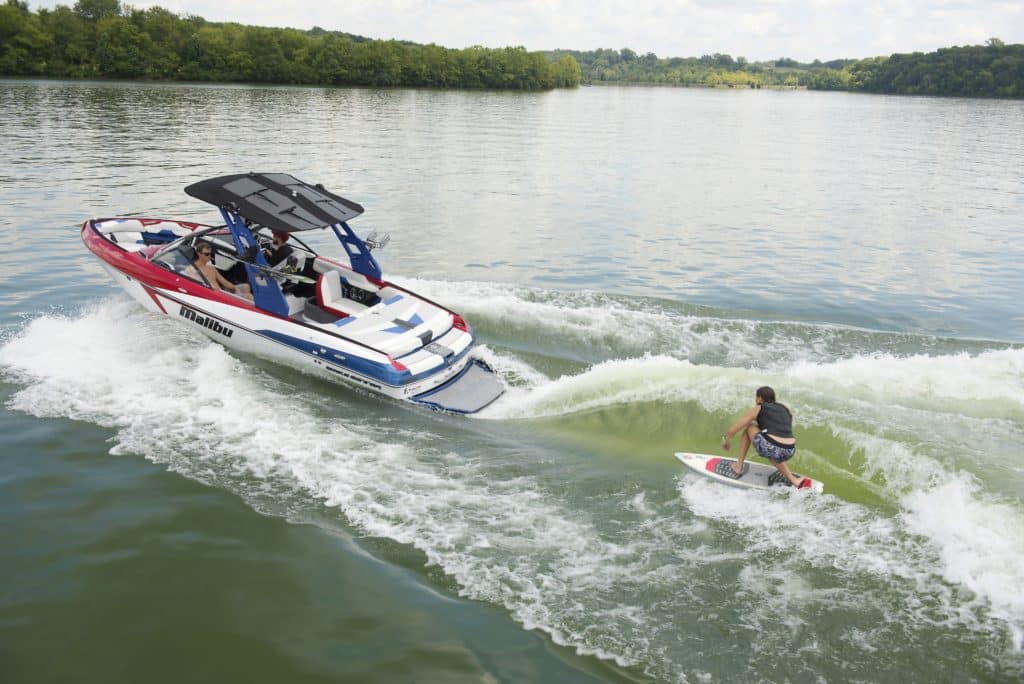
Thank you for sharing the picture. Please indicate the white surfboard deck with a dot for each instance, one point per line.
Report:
(755, 475)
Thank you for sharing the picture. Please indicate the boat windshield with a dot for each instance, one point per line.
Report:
(177, 258)
(185, 241)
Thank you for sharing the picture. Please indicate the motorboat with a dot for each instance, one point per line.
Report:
(253, 285)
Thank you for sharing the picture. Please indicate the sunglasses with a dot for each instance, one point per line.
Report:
(206, 252)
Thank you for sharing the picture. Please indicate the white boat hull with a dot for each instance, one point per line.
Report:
(315, 350)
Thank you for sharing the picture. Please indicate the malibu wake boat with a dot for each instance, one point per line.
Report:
(342, 322)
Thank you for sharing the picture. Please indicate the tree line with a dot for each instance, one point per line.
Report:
(104, 39)
(991, 70)
(626, 66)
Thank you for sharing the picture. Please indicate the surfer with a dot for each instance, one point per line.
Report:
(769, 427)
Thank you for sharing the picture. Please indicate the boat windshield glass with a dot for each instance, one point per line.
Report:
(176, 259)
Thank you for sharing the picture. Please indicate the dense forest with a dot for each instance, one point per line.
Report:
(104, 39)
(626, 66)
(991, 70)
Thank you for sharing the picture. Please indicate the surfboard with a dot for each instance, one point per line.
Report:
(755, 475)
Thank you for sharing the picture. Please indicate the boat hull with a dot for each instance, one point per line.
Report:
(238, 325)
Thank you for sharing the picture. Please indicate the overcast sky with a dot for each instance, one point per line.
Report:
(756, 29)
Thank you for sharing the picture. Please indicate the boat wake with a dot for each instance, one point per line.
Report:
(605, 563)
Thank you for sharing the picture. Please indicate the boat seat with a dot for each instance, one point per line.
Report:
(296, 305)
(125, 237)
(222, 262)
(329, 293)
(311, 313)
(330, 296)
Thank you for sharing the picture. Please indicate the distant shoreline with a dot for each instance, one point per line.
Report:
(114, 41)
(708, 86)
(993, 70)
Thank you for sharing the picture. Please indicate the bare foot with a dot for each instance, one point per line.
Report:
(738, 471)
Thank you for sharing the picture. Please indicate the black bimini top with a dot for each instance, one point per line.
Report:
(276, 200)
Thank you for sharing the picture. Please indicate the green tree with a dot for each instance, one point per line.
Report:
(167, 41)
(109, 39)
(94, 10)
(119, 48)
(330, 58)
(25, 46)
(567, 72)
(71, 54)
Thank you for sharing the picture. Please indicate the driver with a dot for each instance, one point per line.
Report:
(280, 250)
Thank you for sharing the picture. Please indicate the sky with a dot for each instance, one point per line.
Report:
(756, 29)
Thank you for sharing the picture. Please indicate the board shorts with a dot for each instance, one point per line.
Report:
(776, 453)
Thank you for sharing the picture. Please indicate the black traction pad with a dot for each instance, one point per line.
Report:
(724, 468)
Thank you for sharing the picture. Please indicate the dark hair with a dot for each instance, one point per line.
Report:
(767, 395)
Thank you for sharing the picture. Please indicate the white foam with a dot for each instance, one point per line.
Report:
(980, 543)
(988, 384)
(193, 406)
(578, 315)
(515, 372)
(961, 540)
(896, 462)
(593, 324)
(606, 581)
(632, 326)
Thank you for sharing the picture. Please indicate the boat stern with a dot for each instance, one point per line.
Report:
(475, 387)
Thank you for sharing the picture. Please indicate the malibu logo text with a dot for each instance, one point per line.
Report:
(206, 322)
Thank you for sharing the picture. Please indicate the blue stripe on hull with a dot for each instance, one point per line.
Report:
(384, 373)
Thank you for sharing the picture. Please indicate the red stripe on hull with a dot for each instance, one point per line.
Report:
(711, 463)
(135, 265)
(153, 296)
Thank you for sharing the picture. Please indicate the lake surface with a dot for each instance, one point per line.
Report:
(635, 262)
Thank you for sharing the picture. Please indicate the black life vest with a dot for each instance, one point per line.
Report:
(775, 420)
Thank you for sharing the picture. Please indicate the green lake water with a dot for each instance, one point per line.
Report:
(634, 262)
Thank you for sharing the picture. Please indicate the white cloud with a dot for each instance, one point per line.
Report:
(755, 29)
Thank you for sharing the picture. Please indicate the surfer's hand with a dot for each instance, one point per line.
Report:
(725, 443)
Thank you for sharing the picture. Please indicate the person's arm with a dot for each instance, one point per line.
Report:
(741, 424)
(223, 283)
